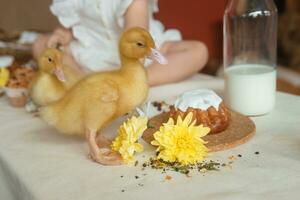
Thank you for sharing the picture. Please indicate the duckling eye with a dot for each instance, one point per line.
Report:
(140, 44)
(50, 59)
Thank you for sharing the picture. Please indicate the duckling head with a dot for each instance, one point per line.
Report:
(50, 62)
(137, 43)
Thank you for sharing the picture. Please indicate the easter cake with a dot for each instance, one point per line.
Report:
(207, 108)
(16, 88)
(228, 129)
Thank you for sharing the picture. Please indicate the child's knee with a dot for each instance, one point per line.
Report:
(39, 45)
(201, 47)
(201, 51)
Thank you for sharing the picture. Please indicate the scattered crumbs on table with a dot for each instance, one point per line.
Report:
(121, 176)
(183, 169)
(230, 162)
(223, 165)
(136, 177)
(168, 178)
(136, 163)
(257, 152)
(140, 184)
(209, 166)
(239, 155)
(123, 190)
(144, 174)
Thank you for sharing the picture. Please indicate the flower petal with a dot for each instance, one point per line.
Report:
(181, 141)
(128, 135)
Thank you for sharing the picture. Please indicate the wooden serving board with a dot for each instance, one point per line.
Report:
(240, 130)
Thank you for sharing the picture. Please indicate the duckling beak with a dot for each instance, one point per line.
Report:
(159, 57)
(59, 73)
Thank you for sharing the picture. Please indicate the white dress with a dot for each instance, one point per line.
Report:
(97, 25)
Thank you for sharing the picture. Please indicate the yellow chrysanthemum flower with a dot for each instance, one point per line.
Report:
(4, 76)
(126, 143)
(181, 142)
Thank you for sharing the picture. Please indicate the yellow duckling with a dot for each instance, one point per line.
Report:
(53, 78)
(98, 99)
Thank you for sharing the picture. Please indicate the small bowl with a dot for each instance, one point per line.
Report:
(17, 96)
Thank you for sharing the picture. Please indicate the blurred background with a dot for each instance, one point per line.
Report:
(196, 19)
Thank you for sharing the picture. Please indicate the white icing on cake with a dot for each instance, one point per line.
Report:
(198, 99)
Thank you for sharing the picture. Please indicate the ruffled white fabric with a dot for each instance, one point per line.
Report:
(97, 25)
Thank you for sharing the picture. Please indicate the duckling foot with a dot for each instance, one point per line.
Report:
(108, 157)
(103, 156)
(102, 141)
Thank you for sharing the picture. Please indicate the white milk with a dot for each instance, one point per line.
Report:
(250, 88)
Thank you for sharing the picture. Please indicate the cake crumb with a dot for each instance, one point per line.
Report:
(168, 178)
(232, 158)
(136, 163)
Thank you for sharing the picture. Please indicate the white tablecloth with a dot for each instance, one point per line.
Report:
(38, 163)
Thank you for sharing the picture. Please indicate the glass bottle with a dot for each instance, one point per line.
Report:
(250, 43)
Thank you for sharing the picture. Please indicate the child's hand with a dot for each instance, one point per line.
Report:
(60, 37)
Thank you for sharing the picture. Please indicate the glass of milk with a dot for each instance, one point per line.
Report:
(250, 35)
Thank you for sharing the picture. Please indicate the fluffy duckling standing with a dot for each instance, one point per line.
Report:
(98, 99)
(53, 79)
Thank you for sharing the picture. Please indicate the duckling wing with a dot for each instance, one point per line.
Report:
(102, 106)
(91, 106)
(109, 92)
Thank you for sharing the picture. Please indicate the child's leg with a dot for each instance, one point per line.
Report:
(185, 59)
